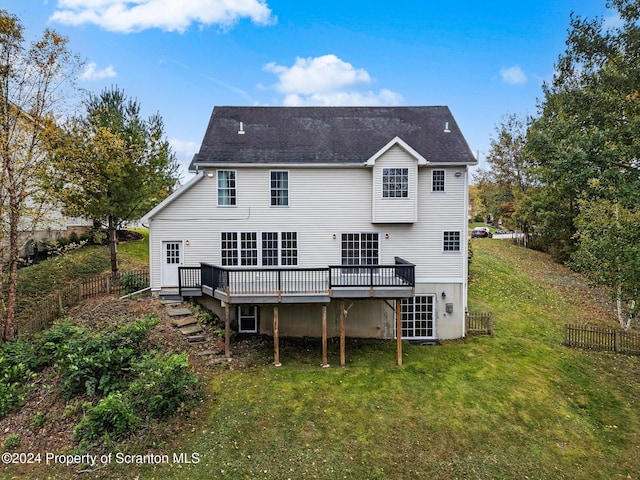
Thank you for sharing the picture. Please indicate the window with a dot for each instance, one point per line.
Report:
(266, 249)
(360, 249)
(172, 252)
(270, 253)
(289, 248)
(248, 249)
(395, 182)
(451, 241)
(417, 317)
(229, 249)
(279, 248)
(247, 318)
(226, 187)
(279, 188)
(437, 181)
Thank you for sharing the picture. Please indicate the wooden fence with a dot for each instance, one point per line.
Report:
(44, 312)
(479, 322)
(597, 338)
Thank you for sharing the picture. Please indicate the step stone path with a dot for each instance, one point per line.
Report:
(186, 323)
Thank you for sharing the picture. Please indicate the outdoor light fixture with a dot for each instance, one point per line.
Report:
(210, 174)
(444, 295)
(334, 236)
(458, 174)
(187, 242)
(386, 235)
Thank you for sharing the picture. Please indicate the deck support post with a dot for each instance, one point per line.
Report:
(227, 331)
(276, 337)
(325, 362)
(342, 334)
(399, 331)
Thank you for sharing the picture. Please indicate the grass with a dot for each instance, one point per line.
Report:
(517, 404)
(37, 281)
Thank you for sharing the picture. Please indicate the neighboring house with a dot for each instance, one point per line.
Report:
(322, 221)
(40, 218)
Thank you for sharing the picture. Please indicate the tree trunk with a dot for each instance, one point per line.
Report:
(12, 281)
(3, 315)
(113, 248)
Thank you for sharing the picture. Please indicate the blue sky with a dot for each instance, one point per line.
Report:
(183, 57)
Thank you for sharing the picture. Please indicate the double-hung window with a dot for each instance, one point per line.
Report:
(279, 188)
(395, 182)
(437, 181)
(279, 248)
(226, 187)
(249, 249)
(360, 249)
(229, 249)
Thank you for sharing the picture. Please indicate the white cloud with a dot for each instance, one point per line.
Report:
(513, 75)
(91, 72)
(125, 16)
(328, 80)
(184, 151)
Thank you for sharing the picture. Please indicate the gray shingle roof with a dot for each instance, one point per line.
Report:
(328, 135)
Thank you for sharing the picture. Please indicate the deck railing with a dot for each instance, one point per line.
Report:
(290, 281)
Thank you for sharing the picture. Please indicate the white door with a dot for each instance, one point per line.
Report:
(171, 260)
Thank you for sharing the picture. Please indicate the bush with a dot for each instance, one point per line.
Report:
(132, 282)
(18, 362)
(164, 383)
(112, 418)
(101, 363)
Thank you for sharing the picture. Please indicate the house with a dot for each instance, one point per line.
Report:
(39, 219)
(322, 221)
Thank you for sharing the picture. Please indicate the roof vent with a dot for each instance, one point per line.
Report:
(241, 131)
(446, 127)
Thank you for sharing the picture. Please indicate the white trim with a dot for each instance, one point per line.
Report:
(402, 144)
(460, 247)
(235, 188)
(171, 198)
(255, 318)
(444, 180)
(271, 172)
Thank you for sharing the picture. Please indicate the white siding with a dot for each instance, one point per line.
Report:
(395, 210)
(322, 202)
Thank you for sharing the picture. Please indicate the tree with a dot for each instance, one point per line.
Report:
(34, 82)
(502, 187)
(112, 165)
(609, 253)
(586, 143)
(590, 118)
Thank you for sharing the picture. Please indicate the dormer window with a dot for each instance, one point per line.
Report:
(395, 183)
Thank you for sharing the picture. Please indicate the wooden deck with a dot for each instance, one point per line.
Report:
(298, 285)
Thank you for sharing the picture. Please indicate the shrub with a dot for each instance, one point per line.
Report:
(12, 441)
(101, 363)
(112, 418)
(132, 282)
(73, 238)
(18, 361)
(164, 383)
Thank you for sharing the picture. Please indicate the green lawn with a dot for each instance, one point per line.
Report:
(514, 405)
